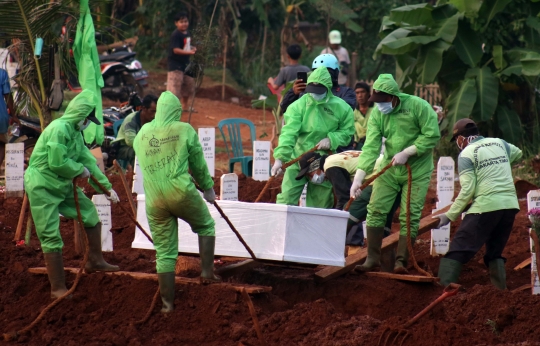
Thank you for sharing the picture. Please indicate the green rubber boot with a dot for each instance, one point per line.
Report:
(166, 291)
(55, 271)
(402, 255)
(449, 271)
(207, 245)
(497, 273)
(375, 236)
(96, 263)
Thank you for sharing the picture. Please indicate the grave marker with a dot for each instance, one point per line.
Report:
(103, 206)
(137, 179)
(533, 201)
(14, 170)
(229, 187)
(440, 238)
(207, 137)
(261, 160)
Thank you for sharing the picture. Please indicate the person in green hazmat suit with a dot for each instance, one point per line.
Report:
(318, 118)
(167, 149)
(59, 156)
(410, 127)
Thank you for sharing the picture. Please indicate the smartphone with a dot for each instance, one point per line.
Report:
(301, 76)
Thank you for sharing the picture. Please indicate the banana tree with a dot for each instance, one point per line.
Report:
(477, 51)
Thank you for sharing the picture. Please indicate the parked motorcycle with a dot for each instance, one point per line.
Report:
(27, 131)
(126, 56)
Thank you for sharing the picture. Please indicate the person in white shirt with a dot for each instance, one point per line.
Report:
(341, 53)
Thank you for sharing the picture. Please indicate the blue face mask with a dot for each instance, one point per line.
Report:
(385, 107)
(318, 97)
(318, 178)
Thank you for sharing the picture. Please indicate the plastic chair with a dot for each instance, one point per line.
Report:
(235, 139)
(116, 126)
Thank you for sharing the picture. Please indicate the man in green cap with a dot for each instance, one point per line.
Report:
(318, 118)
(410, 127)
(59, 156)
(485, 176)
(167, 149)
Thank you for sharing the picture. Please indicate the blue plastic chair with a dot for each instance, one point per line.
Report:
(235, 139)
(116, 126)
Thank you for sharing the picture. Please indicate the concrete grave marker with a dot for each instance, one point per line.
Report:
(14, 170)
(137, 179)
(229, 187)
(261, 160)
(98, 154)
(533, 201)
(207, 137)
(303, 197)
(440, 238)
(103, 206)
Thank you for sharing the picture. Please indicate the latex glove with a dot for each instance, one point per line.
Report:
(113, 197)
(324, 144)
(210, 195)
(443, 220)
(357, 182)
(85, 174)
(402, 157)
(276, 168)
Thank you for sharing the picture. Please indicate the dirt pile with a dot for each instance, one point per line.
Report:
(350, 310)
(249, 189)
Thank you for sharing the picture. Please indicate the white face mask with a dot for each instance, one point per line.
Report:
(318, 178)
(82, 125)
(318, 97)
(464, 142)
(385, 107)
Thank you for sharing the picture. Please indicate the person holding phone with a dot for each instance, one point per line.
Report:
(331, 63)
(289, 73)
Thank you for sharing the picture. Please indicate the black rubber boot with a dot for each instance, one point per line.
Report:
(166, 291)
(375, 236)
(402, 255)
(497, 273)
(96, 263)
(206, 251)
(57, 276)
(449, 271)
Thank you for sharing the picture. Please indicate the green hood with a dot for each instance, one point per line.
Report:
(387, 84)
(169, 109)
(79, 107)
(321, 76)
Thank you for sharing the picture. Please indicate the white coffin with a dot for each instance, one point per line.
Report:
(273, 231)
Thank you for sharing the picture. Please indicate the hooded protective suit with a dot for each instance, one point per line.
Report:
(59, 156)
(412, 122)
(166, 149)
(306, 123)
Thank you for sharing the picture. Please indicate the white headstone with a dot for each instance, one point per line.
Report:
(103, 207)
(303, 197)
(261, 160)
(207, 137)
(14, 170)
(533, 201)
(229, 187)
(440, 238)
(138, 187)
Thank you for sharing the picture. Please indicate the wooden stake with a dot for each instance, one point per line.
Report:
(251, 289)
(21, 218)
(224, 68)
(253, 316)
(29, 226)
(523, 264)
(126, 188)
(414, 278)
(77, 237)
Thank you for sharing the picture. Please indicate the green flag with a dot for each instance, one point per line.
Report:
(87, 60)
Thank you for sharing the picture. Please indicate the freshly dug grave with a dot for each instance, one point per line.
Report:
(350, 310)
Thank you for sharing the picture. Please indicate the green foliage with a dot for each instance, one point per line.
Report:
(480, 53)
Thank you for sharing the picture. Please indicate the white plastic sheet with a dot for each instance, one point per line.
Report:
(273, 231)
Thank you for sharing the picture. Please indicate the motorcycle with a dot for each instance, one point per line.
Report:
(126, 56)
(27, 131)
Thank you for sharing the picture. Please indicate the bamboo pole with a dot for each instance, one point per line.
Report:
(21, 218)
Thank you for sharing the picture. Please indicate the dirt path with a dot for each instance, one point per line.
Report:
(350, 310)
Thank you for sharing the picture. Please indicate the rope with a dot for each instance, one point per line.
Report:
(149, 312)
(13, 335)
(285, 166)
(408, 221)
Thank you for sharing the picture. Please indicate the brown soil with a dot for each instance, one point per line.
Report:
(350, 310)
